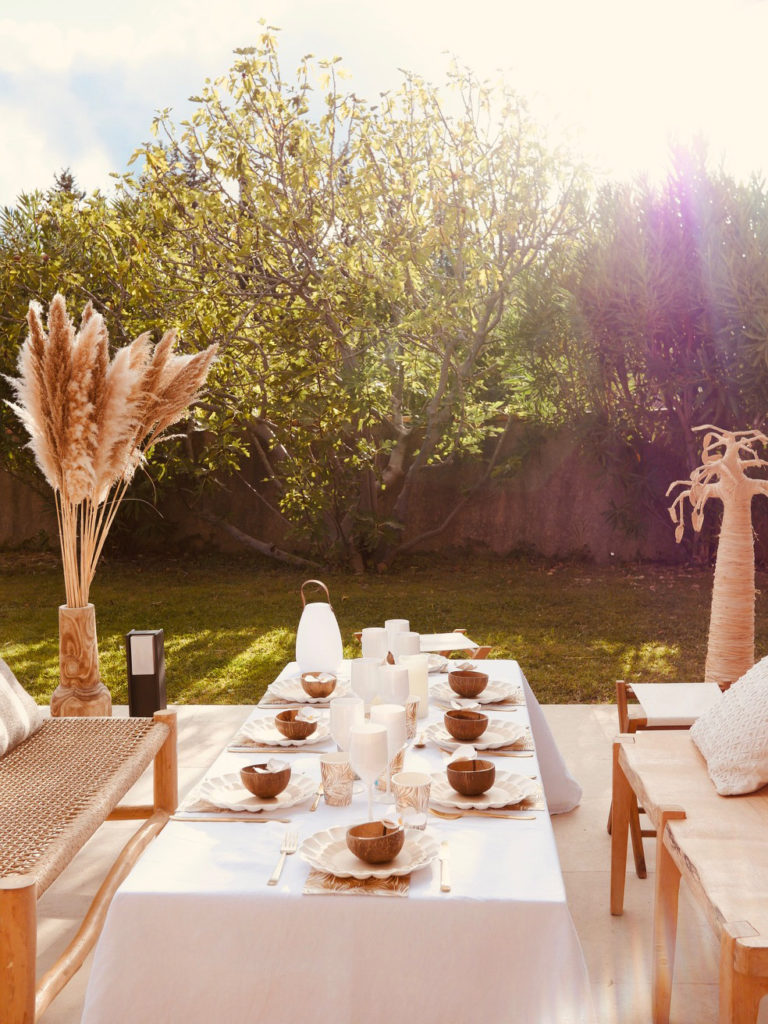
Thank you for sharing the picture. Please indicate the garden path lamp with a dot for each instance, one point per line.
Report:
(145, 657)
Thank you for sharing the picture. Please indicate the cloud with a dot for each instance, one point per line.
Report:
(79, 85)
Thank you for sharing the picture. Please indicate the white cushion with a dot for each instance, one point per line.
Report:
(733, 734)
(20, 717)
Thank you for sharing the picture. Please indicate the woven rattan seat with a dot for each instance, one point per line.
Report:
(56, 790)
(59, 786)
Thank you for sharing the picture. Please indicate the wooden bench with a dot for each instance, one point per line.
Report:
(719, 845)
(56, 789)
(672, 706)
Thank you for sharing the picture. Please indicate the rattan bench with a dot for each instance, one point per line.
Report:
(56, 789)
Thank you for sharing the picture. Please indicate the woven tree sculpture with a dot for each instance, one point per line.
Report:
(726, 457)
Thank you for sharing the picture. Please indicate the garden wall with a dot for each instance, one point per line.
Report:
(26, 517)
(555, 505)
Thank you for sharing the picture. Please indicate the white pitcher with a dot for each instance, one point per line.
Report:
(318, 638)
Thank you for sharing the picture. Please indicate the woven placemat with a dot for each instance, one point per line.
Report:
(322, 883)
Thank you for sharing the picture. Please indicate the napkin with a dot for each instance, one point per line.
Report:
(307, 715)
(272, 765)
(322, 883)
(466, 752)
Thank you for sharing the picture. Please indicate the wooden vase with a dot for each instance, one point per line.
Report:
(80, 691)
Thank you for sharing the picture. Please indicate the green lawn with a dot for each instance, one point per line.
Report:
(230, 623)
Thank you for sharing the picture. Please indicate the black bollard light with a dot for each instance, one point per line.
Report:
(145, 656)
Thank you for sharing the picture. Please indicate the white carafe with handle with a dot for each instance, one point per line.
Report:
(318, 638)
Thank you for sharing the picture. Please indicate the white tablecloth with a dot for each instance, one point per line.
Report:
(195, 934)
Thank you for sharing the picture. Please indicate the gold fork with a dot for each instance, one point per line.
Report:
(290, 844)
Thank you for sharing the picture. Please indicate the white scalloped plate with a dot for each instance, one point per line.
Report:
(509, 788)
(493, 693)
(229, 793)
(264, 732)
(498, 734)
(290, 688)
(327, 851)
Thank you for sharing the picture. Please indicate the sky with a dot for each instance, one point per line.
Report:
(80, 82)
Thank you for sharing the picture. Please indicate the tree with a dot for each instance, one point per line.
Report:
(657, 321)
(355, 263)
(726, 457)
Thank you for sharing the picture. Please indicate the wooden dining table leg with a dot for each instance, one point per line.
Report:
(18, 948)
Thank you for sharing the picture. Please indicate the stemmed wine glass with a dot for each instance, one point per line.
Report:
(345, 712)
(364, 678)
(368, 753)
(392, 717)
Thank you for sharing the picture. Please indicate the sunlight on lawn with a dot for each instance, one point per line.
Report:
(644, 661)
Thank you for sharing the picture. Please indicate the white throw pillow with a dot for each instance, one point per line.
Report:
(20, 717)
(733, 734)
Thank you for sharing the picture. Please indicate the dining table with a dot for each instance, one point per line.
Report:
(195, 933)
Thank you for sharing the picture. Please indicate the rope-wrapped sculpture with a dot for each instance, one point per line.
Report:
(726, 456)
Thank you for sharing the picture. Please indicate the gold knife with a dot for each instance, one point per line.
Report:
(318, 794)
(445, 877)
(255, 818)
(495, 753)
(242, 748)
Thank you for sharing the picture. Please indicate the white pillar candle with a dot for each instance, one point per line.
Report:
(392, 717)
(375, 642)
(394, 687)
(404, 643)
(418, 679)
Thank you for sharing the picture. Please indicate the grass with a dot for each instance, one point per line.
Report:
(230, 623)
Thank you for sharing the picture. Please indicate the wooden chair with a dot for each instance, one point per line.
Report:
(56, 789)
(659, 706)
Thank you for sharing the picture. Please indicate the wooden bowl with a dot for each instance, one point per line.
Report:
(318, 684)
(285, 723)
(471, 778)
(467, 682)
(465, 725)
(374, 842)
(264, 784)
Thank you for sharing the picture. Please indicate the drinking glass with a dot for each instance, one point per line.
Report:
(394, 626)
(393, 684)
(405, 643)
(374, 642)
(364, 678)
(368, 755)
(345, 712)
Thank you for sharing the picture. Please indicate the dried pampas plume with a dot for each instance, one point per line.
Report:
(91, 421)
